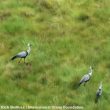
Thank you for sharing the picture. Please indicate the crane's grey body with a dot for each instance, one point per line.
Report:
(86, 77)
(99, 92)
(22, 54)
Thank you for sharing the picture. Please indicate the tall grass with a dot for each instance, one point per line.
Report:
(67, 36)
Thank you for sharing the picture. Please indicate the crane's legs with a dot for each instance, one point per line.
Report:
(19, 60)
(24, 60)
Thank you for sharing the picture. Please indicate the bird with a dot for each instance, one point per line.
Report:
(23, 54)
(86, 77)
(98, 93)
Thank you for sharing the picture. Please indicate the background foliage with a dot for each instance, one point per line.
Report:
(67, 36)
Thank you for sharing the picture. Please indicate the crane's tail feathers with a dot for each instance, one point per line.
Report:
(13, 57)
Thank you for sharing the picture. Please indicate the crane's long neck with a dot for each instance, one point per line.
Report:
(90, 72)
(100, 86)
(29, 49)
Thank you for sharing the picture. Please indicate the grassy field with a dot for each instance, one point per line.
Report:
(67, 36)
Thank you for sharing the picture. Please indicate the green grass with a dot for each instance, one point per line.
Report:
(67, 36)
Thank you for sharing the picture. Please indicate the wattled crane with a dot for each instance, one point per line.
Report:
(22, 54)
(86, 77)
(98, 93)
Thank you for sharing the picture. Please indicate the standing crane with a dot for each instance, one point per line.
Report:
(22, 54)
(98, 93)
(86, 77)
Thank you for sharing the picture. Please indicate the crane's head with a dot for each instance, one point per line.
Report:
(90, 68)
(29, 45)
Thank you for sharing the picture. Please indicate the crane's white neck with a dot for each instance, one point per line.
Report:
(100, 86)
(90, 71)
(29, 49)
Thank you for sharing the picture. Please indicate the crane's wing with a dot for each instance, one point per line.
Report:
(85, 78)
(22, 54)
(98, 94)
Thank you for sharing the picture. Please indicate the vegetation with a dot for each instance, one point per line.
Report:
(67, 36)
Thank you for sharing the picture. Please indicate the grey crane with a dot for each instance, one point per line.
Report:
(22, 54)
(98, 93)
(86, 77)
